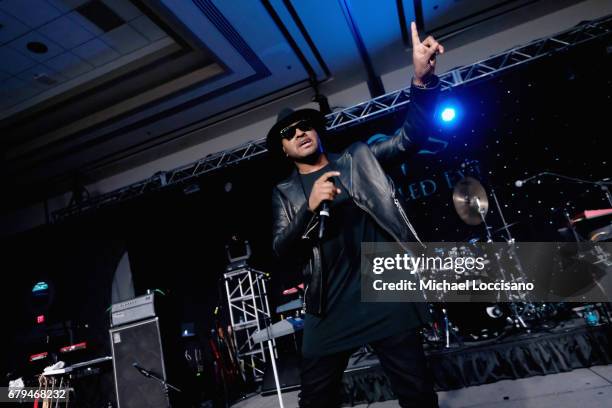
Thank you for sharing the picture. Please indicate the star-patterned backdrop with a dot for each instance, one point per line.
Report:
(552, 115)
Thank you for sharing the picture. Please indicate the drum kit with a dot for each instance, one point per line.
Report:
(481, 321)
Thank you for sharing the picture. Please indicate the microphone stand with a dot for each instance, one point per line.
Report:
(271, 348)
(165, 385)
(606, 191)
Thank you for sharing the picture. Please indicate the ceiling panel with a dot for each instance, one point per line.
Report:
(381, 30)
(124, 39)
(338, 50)
(146, 27)
(12, 28)
(21, 45)
(69, 65)
(14, 62)
(442, 13)
(66, 32)
(15, 90)
(66, 5)
(33, 13)
(96, 52)
(123, 8)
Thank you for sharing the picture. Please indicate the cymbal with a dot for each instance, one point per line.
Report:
(470, 200)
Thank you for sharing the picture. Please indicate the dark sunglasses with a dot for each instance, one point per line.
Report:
(289, 132)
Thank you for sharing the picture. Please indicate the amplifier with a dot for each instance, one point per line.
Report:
(139, 343)
(133, 310)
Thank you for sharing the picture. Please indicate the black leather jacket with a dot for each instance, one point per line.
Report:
(294, 226)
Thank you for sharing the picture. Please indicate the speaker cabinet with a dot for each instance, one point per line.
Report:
(138, 343)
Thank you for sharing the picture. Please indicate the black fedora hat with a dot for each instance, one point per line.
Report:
(285, 118)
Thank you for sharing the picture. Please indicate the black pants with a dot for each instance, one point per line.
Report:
(402, 358)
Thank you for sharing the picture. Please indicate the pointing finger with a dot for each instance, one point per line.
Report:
(415, 34)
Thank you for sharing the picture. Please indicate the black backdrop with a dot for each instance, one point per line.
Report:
(552, 115)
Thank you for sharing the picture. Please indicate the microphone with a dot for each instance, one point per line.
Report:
(142, 370)
(521, 183)
(324, 213)
(323, 216)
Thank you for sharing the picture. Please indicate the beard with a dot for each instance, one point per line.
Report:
(311, 158)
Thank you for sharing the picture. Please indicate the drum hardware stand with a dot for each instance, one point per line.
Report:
(516, 318)
(447, 330)
(471, 202)
(482, 210)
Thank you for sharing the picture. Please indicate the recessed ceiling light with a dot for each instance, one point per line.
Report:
(37, 47)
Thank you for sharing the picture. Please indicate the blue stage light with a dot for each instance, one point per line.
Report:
(448, 114)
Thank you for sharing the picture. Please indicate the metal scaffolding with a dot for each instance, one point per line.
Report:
(481, 70)
(249, 312)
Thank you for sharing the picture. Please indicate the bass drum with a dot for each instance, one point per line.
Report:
(478, 321)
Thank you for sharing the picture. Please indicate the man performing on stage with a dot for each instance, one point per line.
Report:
(360, 199)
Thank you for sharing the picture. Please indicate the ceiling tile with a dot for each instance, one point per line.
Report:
(66, 32)
(14, 62)
(125, 39)
(15, 90)
(66, 5)
(123, 8)
(33, 13)
(148, 28)
(9, 86)
(69, 65)
(21, 45)
(96, 52)
(12, 27)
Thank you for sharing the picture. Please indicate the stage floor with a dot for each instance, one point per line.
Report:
(584, 387)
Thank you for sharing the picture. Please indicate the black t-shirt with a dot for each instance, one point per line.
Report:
(349, 323)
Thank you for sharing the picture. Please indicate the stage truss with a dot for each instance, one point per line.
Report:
(481, 70)
(249, 312)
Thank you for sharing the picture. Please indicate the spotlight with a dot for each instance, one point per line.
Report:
(448, 114)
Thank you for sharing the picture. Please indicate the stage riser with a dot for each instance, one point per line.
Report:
(538, 354)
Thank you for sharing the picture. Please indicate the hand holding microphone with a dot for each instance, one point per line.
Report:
(323, 191)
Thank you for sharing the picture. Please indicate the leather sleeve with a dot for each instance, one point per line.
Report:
(415, 130)
(287, 234)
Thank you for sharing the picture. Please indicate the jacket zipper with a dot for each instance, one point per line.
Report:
(308, 231)
(388, 231)
(405, 218)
